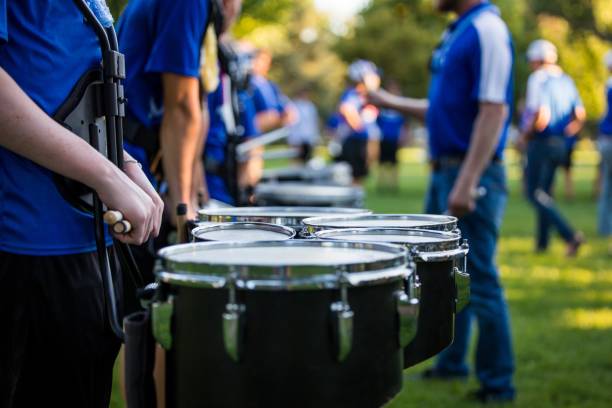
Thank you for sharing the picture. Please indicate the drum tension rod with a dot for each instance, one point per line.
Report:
(233, 320)
(343, 319)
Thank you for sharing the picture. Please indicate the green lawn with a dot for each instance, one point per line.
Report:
(561, 309)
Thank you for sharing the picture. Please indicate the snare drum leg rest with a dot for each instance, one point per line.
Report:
(139, 361)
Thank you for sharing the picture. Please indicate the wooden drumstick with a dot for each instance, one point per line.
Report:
(115, 220)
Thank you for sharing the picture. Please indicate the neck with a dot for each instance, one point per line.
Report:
(464, 6)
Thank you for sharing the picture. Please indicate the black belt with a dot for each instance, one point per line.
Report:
(455, 161)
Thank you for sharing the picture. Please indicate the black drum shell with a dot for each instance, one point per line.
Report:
(436, 314)
(288, 355)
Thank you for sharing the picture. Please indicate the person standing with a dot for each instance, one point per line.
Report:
(555, 112)
(56, 347)
(605, 150)
(305, 131)
(467, 116)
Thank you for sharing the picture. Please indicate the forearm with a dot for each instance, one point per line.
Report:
(268, 120)
(485, 139)
(411, 106)
(180, 137)
(30, 132)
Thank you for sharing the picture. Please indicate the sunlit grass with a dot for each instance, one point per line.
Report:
(587, 319)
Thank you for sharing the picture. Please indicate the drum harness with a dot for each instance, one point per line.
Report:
(94, 111)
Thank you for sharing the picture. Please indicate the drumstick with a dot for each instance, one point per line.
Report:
(115, 220)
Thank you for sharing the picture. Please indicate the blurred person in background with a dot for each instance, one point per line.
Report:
(304, 133)
(554, 113)
(605, 148)
(468, 116)
(394, 131)
(360, 144)
(567, 164)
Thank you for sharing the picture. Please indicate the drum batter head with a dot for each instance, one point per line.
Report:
(243, 231)
(309, 194)
(420, 243)
(287, 216)
(291, 264)
(412, 221)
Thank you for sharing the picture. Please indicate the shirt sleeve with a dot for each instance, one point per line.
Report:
(179, 32)
(3, 22)
(533, 99)
(495, 59)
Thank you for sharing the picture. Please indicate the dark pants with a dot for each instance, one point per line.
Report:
(494, 357)
(56, 346)
(544, 156)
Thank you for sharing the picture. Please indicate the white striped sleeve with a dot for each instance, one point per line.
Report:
(495, 58)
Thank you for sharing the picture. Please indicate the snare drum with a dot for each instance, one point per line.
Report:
(306, 194)
(288, 216)
(242, 231)
(286, 323)
(445, 285)
(412, 221)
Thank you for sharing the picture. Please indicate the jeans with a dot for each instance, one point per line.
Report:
(494, 357)
(544, 156)
(604, 225)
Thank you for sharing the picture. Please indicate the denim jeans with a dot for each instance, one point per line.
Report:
(544, 156)
(494, 357)
(604, 225)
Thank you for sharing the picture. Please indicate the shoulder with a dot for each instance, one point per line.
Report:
(491, 28)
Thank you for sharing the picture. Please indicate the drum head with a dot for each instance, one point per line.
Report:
(412, 221)
(287, 216)
(415, 240)
(309, 194)
(243, 231)
(290, 264)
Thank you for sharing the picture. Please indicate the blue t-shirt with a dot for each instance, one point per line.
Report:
(473, 65)
(390, 123)
(550, 88)
(266, 95)
(605, 127)
(353, 98)
(45, 46)
(159, 36)
(216, 139)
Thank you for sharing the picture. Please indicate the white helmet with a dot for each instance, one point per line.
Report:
(360, 69)
(608, 59)
(542, 51)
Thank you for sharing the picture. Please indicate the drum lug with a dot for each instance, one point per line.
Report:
(462, 282)
(343, 321)
(161, 321)
(408, 306)
(233, 320)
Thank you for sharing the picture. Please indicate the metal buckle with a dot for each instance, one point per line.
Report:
(161, 320)
(462, 283)
(343, 320)
(232, 321)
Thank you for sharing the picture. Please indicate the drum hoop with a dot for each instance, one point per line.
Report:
(447, 247)
(442, 222)
(243, 226)
(269, 277)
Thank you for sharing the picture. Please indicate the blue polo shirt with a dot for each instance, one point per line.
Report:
(550, 88)
(605, 127)
(357, 101)
(45, 46)
(472, 65)
(390, 123)
(159, 36)
(266, 95)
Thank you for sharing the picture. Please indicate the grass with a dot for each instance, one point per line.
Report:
(561, 309)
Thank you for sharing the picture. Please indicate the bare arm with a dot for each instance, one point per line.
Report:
(411, 106)
(180, 136)
(577, 123)
(268, 120)
(351, 116)
(484, 140)
(31, 133)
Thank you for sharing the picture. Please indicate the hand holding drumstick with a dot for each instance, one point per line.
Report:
(115, 220)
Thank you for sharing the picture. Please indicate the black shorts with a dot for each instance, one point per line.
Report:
(354, 152)
(388, 151)
(56, 346)
(567, 159)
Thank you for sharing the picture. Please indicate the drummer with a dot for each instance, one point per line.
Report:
(467, 116)
(56, 347)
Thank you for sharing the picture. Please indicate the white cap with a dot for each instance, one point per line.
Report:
(542, 51)
(359, 69)
(608, 59)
